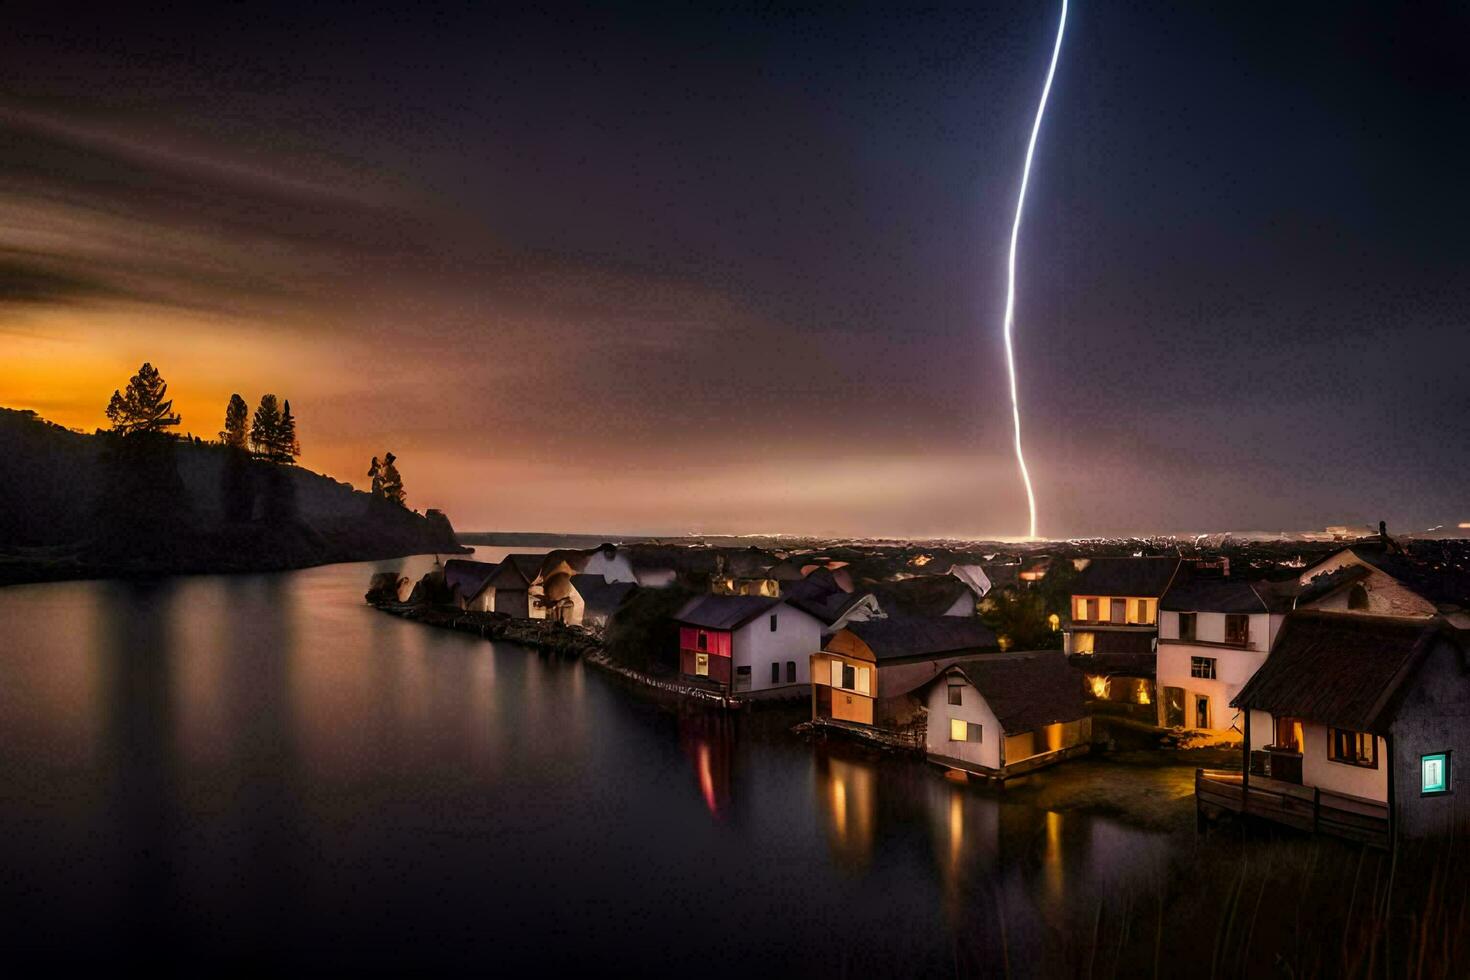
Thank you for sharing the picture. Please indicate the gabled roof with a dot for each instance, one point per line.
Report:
(1026, 691)
(725, 612)
(1436, 578)
(1323, 585)
(516, 571)
(907, 637)
(1339, 669)
(466, 577)
(1141, 577)
(924, 595)
(599, 596)
(1228, 595)
(828, 607)
(575, 559)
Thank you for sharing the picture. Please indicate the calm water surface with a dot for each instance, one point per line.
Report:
(261, 772)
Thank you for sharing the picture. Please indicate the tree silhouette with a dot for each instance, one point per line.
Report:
(142, 407)
(237, 421)
(392, 482)
(375, 473)
(265, 427)
(287, 446)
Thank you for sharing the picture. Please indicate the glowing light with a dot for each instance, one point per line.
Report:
(1011, 269)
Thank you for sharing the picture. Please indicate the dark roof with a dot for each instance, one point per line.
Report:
(1027, 691)
(1339, 669)
(725, 612)
(898, 637)
(465, 576)
(516, 571)
(1228, 596)
(923, 595)
(575, 558)
(828, 607)
(1003, 576)
(1142, 577)
(599, 596)
(1435, 577)
(1321, 586)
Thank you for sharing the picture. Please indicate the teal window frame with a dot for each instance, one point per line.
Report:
(1443, 786)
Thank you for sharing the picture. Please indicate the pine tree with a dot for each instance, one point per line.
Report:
(392, 482)
(265, 428)
(287, 446)
(237, 420)
(142, 407)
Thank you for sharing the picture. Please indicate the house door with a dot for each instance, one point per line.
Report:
(1201, 711)
(1173, 707)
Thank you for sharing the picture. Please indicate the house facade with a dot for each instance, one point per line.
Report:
(747, 643)
(1003, 714)
(1355, 727)
(1112, 627)
(1214, 634)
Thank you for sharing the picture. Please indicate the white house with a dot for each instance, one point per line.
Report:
(1378, 578)
(611, 562)
(748, 643)
(1002, 714)
(1214, 633)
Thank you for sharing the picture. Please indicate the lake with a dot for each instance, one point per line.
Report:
(262, 773)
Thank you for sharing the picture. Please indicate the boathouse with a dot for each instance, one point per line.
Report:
(747, 643)
(1355, 725)
(1004, 714)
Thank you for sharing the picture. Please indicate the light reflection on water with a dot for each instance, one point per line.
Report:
(261, 768)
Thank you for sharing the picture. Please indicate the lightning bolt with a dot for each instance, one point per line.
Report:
(1010, 320)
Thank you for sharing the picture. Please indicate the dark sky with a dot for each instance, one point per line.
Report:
(668, 269)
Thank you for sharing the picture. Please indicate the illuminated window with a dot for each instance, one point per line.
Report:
(836, 673)
(701, 664)
(1082, 642)
(1054, 621)
(956, 694)
(862, 681)
(1352, 748)
(1434, 773)
(963, 731)
(1140, 611)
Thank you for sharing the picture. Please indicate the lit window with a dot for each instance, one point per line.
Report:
(1434, 773)
(1352, 748)
(1082, 642)
(862, 681)
(958, 730)
(956, 694)
(701, 664)
(1202, 667)
(1054, 621)
(836, 673)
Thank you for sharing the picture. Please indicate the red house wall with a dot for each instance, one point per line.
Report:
(718, 648)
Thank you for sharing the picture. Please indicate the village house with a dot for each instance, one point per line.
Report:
(1380, 578)
(465, 578)
(1114, 623)
(1214, 633)
(1354, 726)
(507, 589)
(747, 643)
(867, 671)
(1005, 714)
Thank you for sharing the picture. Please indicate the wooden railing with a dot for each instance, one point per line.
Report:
(1308, 808)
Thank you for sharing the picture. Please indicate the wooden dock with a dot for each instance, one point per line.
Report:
(1306, 808)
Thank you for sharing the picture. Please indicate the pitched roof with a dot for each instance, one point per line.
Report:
(466, 577)
(599, 596)
(516, 571)
(899, 637)
(1435, 577)
(1142, 577)
(1026, 691)
(576, 559)
(1339, 669)
(923, 595)
(1321, 586)
(1228, 595)
(828, 607)
(725, 612)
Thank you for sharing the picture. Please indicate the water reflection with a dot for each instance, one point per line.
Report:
(847, 798)
(707, 739)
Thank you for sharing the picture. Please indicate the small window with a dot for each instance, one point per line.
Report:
(862, 681)
(703, 641)
(963, 731)
(1358, 597)
(836, 672)
(1141, 611)
(791, 671)
(1082, 642)
(1237, 628)
(1352, 748)
(773, 622)
(1187, 627)
(775, 671)
(701, 664)
(849, 677)
(956, 694)
(1202, 667)
(1118, 611)
(1434, 773)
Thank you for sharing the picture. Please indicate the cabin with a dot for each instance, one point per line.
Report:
(507, 590)
(866, 672)
(1214, 633)
(465, 578)
(1354, 726)
(1113, 624)
(747, 644)
(1005, 714)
